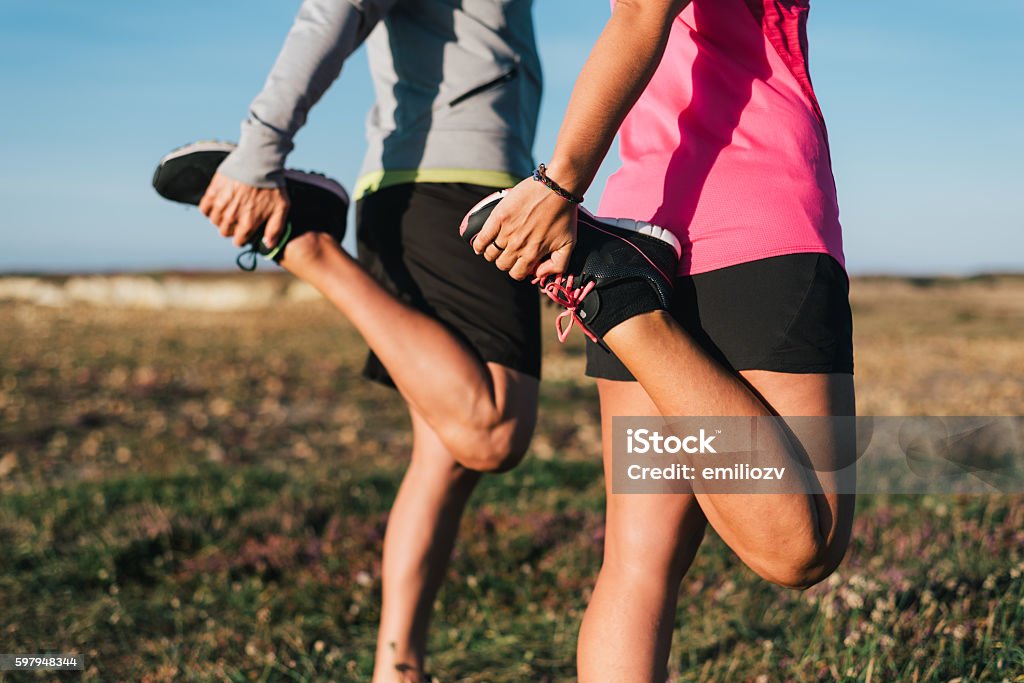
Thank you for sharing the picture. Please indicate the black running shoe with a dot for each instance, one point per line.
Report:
(318, 203)
(619, 268)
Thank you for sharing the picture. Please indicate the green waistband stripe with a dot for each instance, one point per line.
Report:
(378, 180)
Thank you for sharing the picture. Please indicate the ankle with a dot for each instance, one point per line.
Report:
(398, 664)
(399, 673)
(307, 250)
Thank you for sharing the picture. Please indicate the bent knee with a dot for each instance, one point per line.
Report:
(491, 461)
(494, 449)
(801, 571)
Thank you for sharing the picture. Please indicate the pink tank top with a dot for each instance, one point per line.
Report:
(727, 147)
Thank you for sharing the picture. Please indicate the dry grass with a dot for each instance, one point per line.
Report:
(200, 495)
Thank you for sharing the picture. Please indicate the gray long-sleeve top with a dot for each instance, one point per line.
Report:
(457, 86)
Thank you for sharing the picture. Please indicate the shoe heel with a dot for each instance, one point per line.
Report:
(474, 221)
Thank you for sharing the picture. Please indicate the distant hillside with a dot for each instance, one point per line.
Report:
(189, 291)
(225, 291)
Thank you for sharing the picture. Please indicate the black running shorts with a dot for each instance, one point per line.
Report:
(408, 239)
(785, 314)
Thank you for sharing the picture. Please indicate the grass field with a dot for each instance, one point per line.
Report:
(191, 495)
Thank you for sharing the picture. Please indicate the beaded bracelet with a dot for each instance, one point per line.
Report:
(541, 176)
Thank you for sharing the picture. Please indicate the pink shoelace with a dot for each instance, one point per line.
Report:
(560, 289)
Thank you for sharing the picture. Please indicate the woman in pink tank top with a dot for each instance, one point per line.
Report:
(724, 294)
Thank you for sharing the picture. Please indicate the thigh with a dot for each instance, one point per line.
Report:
(828, 445)
(515, 393)
(408, 239)
(652, 532)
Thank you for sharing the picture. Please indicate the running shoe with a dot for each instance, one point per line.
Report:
(619, 268)
(318, 203)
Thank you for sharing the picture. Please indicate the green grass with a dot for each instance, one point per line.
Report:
(248, 573)
(202, 497)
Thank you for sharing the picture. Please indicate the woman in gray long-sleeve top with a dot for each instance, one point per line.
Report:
(458, 89)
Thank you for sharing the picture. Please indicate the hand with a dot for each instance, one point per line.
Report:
(531, 232)
(238, 209)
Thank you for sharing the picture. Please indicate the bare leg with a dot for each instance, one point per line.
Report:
(421, 531)
(791, 539)
(650, 542)
(482, 412)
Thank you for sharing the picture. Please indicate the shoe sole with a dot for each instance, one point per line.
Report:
(317, 180)
(219, 147)
(198, 147)
(639, 227)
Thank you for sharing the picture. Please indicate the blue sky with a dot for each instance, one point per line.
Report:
(924, 102)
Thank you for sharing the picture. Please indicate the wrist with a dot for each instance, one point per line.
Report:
(541, 175)
(568, 174)
(259, 158)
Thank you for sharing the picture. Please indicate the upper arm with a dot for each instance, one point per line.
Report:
(372, 11)
(661, 11)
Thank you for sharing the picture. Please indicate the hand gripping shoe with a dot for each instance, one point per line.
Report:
(619, 268)
(318, 203)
